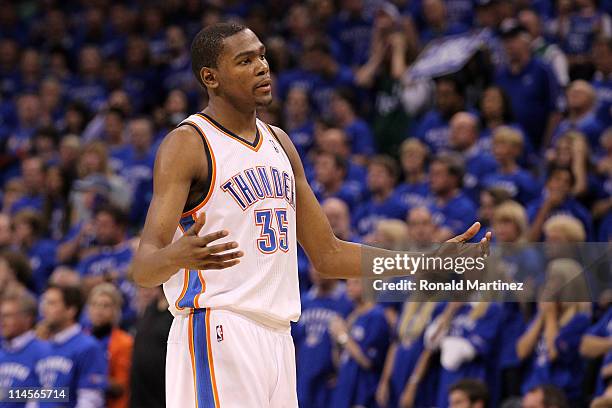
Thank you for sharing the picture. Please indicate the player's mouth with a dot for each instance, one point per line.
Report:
(265, 86)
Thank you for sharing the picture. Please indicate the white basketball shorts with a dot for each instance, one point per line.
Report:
(218, 358)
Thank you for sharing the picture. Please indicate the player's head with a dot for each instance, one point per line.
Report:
(229, 61)
(61, 306)
(17, 314)
(468, 393)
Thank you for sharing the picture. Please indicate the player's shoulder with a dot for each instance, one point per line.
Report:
(184, 138)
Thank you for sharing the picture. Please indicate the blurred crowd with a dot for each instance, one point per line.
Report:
(519, 137)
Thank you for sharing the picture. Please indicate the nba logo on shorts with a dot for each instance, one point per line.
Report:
(219, 333)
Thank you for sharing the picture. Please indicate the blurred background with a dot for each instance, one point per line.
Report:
(413, 118)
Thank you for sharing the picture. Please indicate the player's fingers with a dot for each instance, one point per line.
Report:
(215, 249)
(225, 257)
(223, 265)
(207, 239)
(197, 225)
(470, 232)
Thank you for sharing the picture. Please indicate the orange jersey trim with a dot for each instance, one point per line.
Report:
(214, 171)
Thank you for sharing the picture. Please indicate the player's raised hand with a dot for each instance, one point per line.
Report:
(195, 252)
(469, 234)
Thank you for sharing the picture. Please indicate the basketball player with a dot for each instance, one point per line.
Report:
(223, 173)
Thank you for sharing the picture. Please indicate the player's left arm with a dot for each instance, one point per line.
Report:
(330, 256)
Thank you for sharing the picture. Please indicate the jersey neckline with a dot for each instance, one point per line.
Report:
(254, 145)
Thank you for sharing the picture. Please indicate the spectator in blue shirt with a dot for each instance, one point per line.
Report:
(403, 380)
(556, 198)
(602, 79)
(331, 181)
(520, 184)
(531, 85)
(597, 343)
(383, 203)
(20, 350)
(76, 360)
(362, 340)
(452, 210)
(496, 111)
(437, 22)
(352, 30)
(581, 114)
(297, 120)
(433, 129)
(110, 256)
(463, 139)
(553, 337)
(414, 157)
(88, 87)
(357, 130)
(325, 300)
(17, 143)
(28, 229)
(466, 336)
(33, 176)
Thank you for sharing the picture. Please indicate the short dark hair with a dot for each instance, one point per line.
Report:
(208, 45)
(554, 169)
(117, 214)
(553, 396)
(454, 165)
(388, 163)
(71, 296)
(476, 390)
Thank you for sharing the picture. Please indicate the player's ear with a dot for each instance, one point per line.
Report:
(209, 77)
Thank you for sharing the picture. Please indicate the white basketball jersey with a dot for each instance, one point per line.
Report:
(251, 195)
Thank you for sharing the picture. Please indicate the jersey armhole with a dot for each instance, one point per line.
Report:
(211, 172)
(278, 140)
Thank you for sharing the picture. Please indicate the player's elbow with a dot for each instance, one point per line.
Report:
(325, 262)
(137, 274)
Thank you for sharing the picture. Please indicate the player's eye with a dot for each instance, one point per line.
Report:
(262, 57)
(245, 62)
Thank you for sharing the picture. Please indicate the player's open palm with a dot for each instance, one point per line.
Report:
(204, 252)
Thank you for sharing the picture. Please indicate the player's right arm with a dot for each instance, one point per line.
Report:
(178, 163)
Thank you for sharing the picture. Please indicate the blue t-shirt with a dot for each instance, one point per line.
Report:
(477, 165)
(77, 361)
(371, 212)
(406, 357)
(534, 94)
(433, 130)
(43, 259)
(355, 385)
(522, 185)
(589, 125)
(458, 214)
(605, 229)
(353, 34)
(351, 192)
(360, 137)
(18, 363)
(566, 371)
(314, 346)
(580, 33)
(603, 328)
(413, 195)
(569, 206)
(483, 335)
(603, 88)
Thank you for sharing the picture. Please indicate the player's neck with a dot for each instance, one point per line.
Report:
(242, 123)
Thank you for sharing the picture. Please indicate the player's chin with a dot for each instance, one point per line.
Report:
(263, 100)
